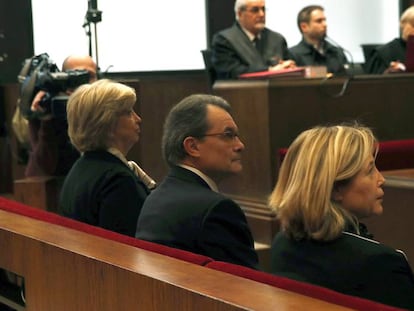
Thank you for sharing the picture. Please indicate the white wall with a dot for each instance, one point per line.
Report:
(136, 35)
(350, 22)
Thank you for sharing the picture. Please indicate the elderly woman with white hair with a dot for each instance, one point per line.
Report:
(103, 188)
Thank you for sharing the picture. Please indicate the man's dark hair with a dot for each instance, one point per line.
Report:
(305, 13)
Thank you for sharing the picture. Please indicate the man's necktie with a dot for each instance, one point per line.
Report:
(257, 43)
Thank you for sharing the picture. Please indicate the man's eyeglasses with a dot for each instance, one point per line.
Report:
(226, 135)
(255, 9)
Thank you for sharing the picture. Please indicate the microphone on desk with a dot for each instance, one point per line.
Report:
(349, 68)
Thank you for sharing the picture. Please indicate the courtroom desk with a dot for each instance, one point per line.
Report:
(271, 113)
(395, 227)
(66, 269)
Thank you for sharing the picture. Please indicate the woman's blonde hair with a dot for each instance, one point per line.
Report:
(319, 160)
(93, 111)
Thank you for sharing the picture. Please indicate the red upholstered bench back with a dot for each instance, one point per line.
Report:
(392, 155)
(395, 154)
(301, 287)
(262, 277)
(25, 210)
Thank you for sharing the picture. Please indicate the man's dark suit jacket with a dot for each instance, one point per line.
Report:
(351, 264)
(103, 191)
(304, 54)
(183, 212)
(385, 54)
(233, 53)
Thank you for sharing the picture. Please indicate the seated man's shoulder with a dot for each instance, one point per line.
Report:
(208, 197)
(174, 189)
(226, 208)
(227, 32)
(274, 34)
(297, 49)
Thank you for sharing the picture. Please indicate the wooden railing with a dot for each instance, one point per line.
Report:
(65, 269)
(68, 265)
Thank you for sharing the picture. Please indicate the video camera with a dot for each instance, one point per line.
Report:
(56, 83)
(40, 73)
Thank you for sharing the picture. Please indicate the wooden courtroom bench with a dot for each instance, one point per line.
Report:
(68, 265)
(66, 269)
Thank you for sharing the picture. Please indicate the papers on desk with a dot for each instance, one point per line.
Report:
(290, 72)
(304, 72)
(316, 72)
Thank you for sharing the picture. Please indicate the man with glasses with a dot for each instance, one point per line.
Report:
(201, 146)
(248, 46)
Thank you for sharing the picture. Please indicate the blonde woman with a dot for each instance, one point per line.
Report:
(102, 188)
(328, 182)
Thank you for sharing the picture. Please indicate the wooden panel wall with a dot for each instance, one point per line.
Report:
(219, 15)
(16, 37)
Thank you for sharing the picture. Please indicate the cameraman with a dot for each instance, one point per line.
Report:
(51, 152)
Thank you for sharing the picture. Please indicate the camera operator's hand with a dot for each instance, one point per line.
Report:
(37, 108)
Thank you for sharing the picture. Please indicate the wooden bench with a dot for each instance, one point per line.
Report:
(68, 265)
(66, 269)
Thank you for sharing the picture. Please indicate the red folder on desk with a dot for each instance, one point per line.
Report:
(290, 72)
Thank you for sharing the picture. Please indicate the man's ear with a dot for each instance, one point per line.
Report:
(191, 146)
(239, 13)
(304, 27)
